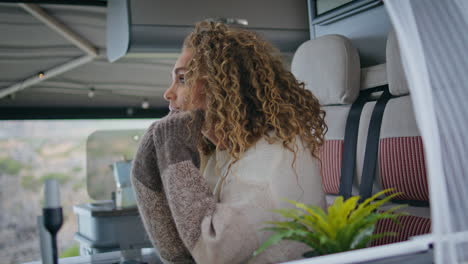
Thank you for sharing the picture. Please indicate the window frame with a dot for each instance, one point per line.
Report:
(339, 12)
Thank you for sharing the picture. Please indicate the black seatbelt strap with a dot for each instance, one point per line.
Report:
(348, 159)
(372, 146)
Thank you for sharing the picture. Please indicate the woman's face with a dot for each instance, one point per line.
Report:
(178, 94)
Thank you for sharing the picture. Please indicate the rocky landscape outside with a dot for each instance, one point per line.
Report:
(30, 153)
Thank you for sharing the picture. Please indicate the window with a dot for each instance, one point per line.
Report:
(323, 6)
(31, 152)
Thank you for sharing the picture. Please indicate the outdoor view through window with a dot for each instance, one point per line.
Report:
(32, 152)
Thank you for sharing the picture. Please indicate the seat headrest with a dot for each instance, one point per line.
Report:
(397, 82)
(330, 68)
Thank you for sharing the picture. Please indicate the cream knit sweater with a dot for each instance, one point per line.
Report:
(215, 216)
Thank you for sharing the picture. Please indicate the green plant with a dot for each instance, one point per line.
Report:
(77, 169)
(72, 251)
(62, 178)
(30, 183)
(79, 184)
(347, 225)
(10, 166)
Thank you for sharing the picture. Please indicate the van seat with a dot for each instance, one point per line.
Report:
(401, 162)
(330, 68)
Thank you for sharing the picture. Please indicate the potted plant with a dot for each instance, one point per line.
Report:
(347, 225)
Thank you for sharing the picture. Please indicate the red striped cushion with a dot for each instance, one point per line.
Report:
(410, 226)
(331, 154)
(402, 167)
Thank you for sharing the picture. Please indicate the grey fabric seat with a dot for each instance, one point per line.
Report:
(330, 68)
(401, 162)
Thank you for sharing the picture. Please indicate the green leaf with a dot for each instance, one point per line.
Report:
(367, 207)
(290, 225)
(350, 205)
(273, 240)
(310, 254)
(398, 207)
(362, 235)
(373, 237)
(346, 225)
(314, 212)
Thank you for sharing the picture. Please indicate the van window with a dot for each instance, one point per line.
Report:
(32, 152)
(323, 6)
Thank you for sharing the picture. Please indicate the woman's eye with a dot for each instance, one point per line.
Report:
(181, 79)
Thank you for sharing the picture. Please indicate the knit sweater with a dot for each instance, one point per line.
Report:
(215, 215)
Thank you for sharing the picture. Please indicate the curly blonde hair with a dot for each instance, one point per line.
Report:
(249, 93)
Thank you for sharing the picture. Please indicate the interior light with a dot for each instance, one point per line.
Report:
(145, 104)
(91, 93)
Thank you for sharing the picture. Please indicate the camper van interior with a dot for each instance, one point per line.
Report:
(81, 81)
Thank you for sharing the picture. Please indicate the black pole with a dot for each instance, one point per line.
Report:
(53, 219)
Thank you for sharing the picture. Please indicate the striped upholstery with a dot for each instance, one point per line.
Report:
(402, 167)
(330, 155)
(410, 226)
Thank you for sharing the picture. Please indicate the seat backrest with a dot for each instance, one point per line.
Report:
(330, 68)
(401, 162)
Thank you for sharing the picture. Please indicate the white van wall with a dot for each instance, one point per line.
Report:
(367, 30)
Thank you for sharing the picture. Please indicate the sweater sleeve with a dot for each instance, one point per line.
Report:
(215, 232)
(153, 206)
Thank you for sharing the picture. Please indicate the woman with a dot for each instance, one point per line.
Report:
(242, 135)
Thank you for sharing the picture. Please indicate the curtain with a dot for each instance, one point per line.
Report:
(433, 39)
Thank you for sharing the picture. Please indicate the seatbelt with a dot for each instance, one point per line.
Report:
(348, 159)
(372, 146)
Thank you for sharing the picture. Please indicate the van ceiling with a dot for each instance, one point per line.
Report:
(29, 46)
(53, 60)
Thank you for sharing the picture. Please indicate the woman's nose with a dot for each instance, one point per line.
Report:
(169, 94)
